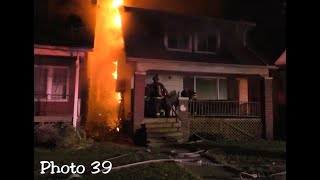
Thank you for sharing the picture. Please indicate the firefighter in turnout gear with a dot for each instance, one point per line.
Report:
(159, 96)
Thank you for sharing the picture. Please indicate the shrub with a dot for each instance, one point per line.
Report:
(61, 136)
(46, 135)
(74, 138)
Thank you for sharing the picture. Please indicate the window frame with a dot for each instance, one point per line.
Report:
(50, 83)
(196, 36)
(177, 49)
(218, 85)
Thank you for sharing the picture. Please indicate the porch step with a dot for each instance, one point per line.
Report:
(163, 129)
(162, 125)
(159, 120)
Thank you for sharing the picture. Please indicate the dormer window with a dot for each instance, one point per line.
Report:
(206, 42)
(178, 41)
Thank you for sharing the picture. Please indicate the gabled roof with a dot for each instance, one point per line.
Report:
(282, 59)
(144, 31)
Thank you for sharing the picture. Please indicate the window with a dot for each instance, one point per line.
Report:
(51, 83)
(178, 41)
(211, 88)
(206, 42)
(40, 82)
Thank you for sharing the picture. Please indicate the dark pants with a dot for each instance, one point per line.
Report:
(157, 104)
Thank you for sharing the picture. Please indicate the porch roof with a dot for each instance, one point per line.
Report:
(143, 65)
(60, 50)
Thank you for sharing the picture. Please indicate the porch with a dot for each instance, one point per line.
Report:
(54, 108)
(230, 93)
(56, 83)
(213, 108)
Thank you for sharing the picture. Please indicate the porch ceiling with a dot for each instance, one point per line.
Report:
(143, 65)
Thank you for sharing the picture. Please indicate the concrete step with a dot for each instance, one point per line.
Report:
(161, 140)
(164, 134)
(160, 125)
(163, 129)
(158, 120)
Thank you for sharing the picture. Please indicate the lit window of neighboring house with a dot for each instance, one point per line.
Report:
(206, 42)
(51, 83)
(178, 41)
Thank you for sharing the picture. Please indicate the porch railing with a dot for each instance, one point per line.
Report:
(224, 108)
(43, 104)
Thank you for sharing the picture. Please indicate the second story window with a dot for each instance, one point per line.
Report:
(178, 41)
(206, 42)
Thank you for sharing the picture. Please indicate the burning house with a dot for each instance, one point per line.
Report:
(121, 49)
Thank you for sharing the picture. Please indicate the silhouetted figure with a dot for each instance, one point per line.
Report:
(188, 93)
(140, 137)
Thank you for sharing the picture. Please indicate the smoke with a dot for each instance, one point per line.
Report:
(85, 9)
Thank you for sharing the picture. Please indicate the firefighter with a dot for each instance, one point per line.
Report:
(159, 96)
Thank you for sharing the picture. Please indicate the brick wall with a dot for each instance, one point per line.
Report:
(268, 107)
(183, 114)
(138, 104)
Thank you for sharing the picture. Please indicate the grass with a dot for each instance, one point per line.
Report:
(101, 151)
(260, 157)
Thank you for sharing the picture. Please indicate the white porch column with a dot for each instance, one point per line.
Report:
(76, 92)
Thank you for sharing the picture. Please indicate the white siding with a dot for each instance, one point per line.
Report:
(170, 82)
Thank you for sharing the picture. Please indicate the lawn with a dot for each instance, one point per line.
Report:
(101, 151)
(259, 157)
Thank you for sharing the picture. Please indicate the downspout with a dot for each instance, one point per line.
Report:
(76, 90)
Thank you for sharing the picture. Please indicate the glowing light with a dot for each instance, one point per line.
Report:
(117, 21)
(115, 73)
(118, 129)
(119, 97)
(117, 3)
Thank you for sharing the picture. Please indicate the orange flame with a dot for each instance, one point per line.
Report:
(115, 74)
(117, 3)
(108, 45)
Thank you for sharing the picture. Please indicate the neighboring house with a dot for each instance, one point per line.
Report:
(280, 104)
(282, 60)
(61, 42)
(207, 55)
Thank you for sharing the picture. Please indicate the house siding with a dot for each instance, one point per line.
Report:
(170, 82)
